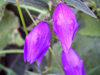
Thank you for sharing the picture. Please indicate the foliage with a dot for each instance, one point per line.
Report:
(92, 26)
(7, 25)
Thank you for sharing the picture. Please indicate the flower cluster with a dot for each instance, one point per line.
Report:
(65, 25)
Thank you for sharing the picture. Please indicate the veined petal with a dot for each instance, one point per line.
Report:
(37, 42)
(72, 63)
(64, 24)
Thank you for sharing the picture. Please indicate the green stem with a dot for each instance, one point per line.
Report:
(21, 16)
(51, 42)
(49, 59)
(50, 54)
(30, 16)
(11, 51)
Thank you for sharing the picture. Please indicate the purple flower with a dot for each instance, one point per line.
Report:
(37, 43)
(72, 63)
(64, 25)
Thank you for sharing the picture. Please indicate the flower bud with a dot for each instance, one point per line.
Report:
(37, 43)
(64, 25)
(72, 64)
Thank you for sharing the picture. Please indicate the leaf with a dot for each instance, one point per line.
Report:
(56, 59)
(35, 5)
(2, 8)
(80, 6)
(18, 65)
(42, 11)
(93, 70)
(82, 43)
(92, 26)
(56, 71)
(97, 3)
(57, 50)
(32, 73)
(17, 39)
(88, 48)
(9, 71)
(7, 25)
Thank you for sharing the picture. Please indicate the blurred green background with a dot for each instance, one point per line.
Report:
(86, 41)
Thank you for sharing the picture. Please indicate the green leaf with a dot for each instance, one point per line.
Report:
(9, 71)
(35, 5)
(42, 11)
(17, 64)
(80, 6)
(97, 3)
(2, 8)
(56, 71)
(32, 73)
(88, 49)
(93, 70)
(18, 40)
(7, 25)
(92, 26)
(57, 50)
(56, 59)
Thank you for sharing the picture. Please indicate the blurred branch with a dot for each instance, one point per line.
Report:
(11, 51)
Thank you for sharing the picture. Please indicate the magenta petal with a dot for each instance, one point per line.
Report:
(37, 42)
(64, 24)
(72, 63)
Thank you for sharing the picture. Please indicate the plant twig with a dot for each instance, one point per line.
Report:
(21, 16)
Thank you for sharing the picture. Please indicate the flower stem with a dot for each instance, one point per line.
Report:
(49, 60)
(51, 42)
(50, 54)
(21, 16)
(11, 51)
